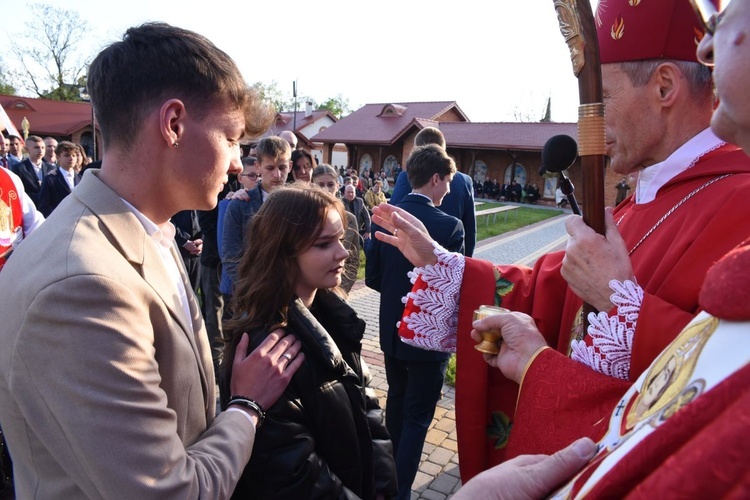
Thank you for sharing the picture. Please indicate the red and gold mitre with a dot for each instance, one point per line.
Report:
(634, 30)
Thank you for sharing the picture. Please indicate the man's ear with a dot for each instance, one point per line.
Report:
(172, 117)
(669, 81)
(435, 179)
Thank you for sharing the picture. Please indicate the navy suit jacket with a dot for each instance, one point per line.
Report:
(459, 203)
(54, 190)
(31, 184)
(386, 271)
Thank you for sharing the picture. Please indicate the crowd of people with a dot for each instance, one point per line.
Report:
(109, 359)
(507, 191)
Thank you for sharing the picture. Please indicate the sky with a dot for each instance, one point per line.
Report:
(498, 60)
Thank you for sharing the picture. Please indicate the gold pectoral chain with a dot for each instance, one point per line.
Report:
(671, 210)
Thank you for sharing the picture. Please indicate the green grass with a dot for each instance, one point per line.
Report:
(521, 217)
(450, 372)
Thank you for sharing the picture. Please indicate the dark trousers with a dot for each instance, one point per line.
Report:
(213, 305)
(413, 391)
(193, 268)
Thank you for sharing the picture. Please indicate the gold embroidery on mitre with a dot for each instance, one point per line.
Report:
(634, 3)
(601, 9)
(618, 28)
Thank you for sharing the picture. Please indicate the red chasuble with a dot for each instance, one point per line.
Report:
(670, 257)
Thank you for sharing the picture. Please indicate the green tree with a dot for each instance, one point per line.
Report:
(5, 86)
(273, 94)
(283, 101)
(338, 106)
(50, 53)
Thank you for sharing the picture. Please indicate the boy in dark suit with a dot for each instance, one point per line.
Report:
(58, 183)
(415, 377)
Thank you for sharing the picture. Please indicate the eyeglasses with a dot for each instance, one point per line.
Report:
(708, 14)
(250, 175)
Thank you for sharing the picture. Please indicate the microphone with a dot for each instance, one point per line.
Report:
(558, 153)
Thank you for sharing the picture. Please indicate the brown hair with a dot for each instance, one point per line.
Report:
(426, 161)
(272, 147)
(302, 153)
(155, 62)
(429, 135)
(325, 169)
(67, 146)
(286, 226)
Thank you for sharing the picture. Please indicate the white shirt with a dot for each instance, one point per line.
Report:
(164, 237)
(69, 177)
(38, 171)
(652, 179)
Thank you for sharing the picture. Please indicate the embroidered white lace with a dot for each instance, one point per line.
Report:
(612, 337)
(436, 323)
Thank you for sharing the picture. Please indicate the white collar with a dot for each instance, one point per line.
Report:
(653, 178)
(163, 235)
(423, 195)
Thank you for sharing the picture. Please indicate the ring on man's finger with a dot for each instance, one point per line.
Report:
(287, 356)
(395, 232)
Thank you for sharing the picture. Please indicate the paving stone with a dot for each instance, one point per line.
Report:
(421, 481)
(457, 487)
(430, 468)
(433, 495)
(452, 469)
(446, 425)
(428, 448)
(441, 456)
(444, 484)
(435, 436)
(450, 444)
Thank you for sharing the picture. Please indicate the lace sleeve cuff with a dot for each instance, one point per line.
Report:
(430, 318)
(611, 337)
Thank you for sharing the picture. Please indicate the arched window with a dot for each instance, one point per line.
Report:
(88, 144)
(480, 171)
(365, 163)
(520, 174)
(389, 164)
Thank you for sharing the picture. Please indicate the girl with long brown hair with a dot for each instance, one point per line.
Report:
(325, 437)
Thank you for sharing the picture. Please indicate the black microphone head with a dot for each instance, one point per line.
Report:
(559, 153)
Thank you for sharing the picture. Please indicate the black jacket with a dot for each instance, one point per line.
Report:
(325, 437)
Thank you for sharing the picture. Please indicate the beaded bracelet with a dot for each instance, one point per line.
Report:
(249, 403)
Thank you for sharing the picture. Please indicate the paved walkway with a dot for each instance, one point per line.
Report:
(438, 476)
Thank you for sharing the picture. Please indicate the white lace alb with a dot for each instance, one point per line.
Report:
(612, 337)
(435, 324)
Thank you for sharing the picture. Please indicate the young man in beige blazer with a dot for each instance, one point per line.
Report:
(106, 379)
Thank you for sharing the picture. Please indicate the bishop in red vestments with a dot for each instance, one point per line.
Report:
(691, 192)
(681, 430)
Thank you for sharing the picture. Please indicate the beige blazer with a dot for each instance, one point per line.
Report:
(106, 387)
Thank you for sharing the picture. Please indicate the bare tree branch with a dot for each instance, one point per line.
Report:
(49, 52)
